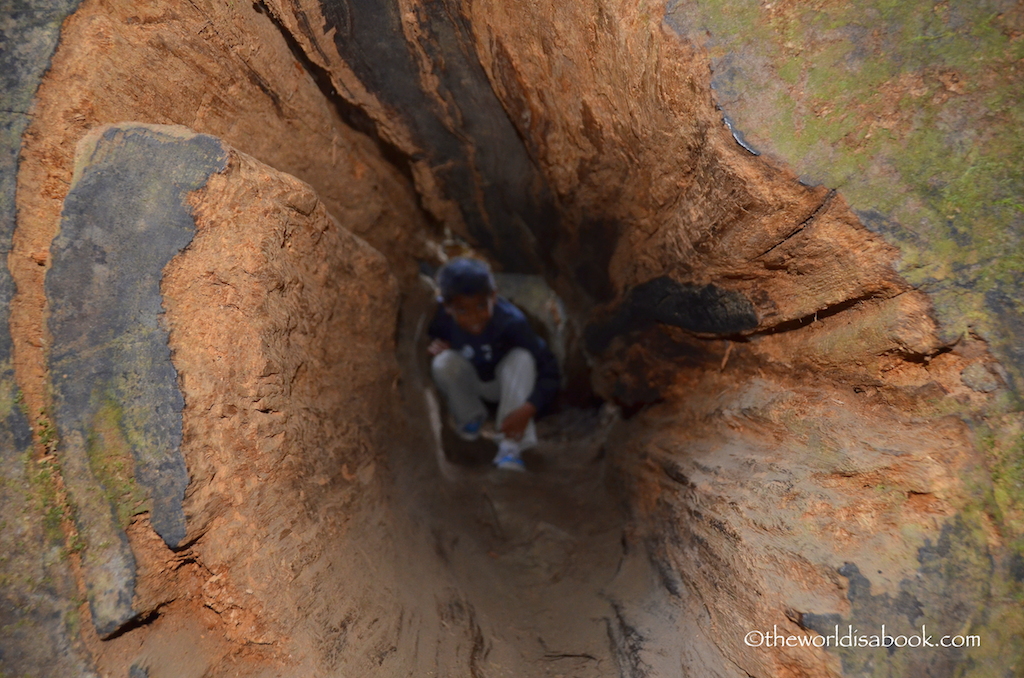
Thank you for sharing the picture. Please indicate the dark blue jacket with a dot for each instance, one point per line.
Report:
(508, 329)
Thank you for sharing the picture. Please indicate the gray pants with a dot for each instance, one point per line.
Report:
(514, 378)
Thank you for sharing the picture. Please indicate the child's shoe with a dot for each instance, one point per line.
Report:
(471, 430)
(509, 456)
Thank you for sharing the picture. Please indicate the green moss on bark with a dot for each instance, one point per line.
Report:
(112, 464)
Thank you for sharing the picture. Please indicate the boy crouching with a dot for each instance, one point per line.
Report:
(485, 349)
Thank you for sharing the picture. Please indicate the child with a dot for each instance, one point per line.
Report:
(484, 349)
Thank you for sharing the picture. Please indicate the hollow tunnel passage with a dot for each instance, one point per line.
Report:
(787, 459)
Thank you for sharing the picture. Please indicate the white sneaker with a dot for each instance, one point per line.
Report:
(470, 431)
(509, 456)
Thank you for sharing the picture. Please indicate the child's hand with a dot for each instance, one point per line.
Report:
(437, 346)
(515, 423)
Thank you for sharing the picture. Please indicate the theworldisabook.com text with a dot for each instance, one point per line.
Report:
(853, 638)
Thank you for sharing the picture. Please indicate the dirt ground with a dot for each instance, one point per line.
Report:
(535, 553)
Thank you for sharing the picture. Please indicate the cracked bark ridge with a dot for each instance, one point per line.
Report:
(123, 220)
(420, 79)
(281, 326)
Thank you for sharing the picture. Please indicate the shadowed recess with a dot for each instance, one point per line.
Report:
(705, 309)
